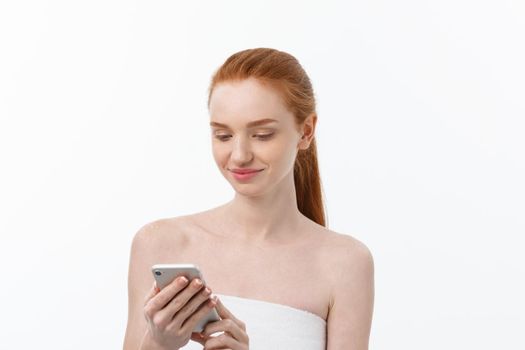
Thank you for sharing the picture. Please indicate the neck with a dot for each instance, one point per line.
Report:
(270, 218)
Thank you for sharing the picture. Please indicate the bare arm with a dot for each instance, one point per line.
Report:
(161, 319)
(350, 316)
(140, 282)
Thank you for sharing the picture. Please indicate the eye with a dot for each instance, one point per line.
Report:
(264, 136)
(224, 138)
(221, 137)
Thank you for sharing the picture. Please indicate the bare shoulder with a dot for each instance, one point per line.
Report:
(347, 249)
(348, 259)
(153, 243)
(160, 235)
(342, 249)
(344, 258)
(350, 270)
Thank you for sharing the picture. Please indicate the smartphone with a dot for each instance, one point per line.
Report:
(164, 274)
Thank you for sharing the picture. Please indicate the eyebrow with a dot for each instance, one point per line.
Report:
(250, 124)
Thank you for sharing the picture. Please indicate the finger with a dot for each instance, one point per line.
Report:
(167, 293)
(229, 323)
(223, 311)
(226, 314)
(221, 342)
(152, 292)
(229, 327)
(185, 304)
(203, 310)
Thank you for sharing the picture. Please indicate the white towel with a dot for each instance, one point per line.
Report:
(272, 326)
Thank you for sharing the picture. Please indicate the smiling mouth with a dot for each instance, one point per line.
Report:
(245, 172)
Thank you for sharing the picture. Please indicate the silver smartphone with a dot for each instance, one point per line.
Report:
(164, 274)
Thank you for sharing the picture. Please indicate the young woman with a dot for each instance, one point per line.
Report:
(284, 281)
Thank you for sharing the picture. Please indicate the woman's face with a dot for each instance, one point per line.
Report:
(239, 143)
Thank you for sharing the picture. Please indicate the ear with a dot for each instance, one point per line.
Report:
(308, 131)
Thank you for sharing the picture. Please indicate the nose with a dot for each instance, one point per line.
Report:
(241, 152)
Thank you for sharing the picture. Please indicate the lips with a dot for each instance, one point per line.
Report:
(245, 171)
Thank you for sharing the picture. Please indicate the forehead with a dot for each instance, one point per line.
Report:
(244, 101)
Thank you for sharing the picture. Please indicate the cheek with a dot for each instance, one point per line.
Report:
(220, 153)
(277, 153)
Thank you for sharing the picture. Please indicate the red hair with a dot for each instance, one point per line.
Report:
(283, 72)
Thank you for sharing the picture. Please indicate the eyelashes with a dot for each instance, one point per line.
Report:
(262, 137)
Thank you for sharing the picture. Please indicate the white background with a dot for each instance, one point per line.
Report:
(104, 128)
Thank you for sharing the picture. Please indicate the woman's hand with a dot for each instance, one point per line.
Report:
(172, 316)
(234, 336)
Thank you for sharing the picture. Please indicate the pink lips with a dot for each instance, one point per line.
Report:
(245, 175)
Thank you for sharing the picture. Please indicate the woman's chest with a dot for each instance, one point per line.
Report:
(291, 279)
(289, 275)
